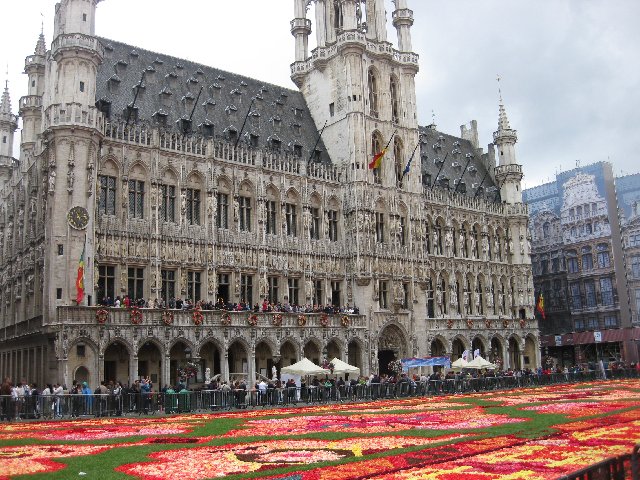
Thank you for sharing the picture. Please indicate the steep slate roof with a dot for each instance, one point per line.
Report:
(171, 87)
(436, 145)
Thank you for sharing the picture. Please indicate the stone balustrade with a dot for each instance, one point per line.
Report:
(79, 316)
(77, 41)
(73, 115)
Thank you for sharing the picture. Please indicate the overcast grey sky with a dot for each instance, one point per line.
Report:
(570, 68)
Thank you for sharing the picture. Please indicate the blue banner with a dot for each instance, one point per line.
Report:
(426, 362)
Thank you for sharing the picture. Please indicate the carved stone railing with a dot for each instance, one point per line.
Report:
(73, 115)
(30, 101)
(89, 316)
(77, 42)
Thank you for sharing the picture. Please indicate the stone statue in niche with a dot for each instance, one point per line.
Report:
(52, 182)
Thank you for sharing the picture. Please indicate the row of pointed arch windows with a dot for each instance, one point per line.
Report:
(373, 84)
(399, 159)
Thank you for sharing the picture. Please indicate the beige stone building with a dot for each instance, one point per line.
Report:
(179, 180)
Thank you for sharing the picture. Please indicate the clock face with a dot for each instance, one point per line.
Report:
(78, 218)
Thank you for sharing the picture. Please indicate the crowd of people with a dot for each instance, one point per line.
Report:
(221, 304)
(27, 401)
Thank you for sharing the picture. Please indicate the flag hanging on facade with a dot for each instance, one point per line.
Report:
(540, 306)
(408, 167)
(80, 278)
(377, 159)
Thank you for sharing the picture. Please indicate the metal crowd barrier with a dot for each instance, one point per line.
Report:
(141, 403)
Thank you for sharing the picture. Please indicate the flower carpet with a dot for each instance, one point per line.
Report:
(526, 434)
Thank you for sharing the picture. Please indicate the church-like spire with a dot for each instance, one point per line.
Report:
(41, 48)
(503, 121)
(5, 103)
(505, 135)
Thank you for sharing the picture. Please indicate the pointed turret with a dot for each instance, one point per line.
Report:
(8, 126)
(508, 172)
(31, 104)
(403, 21)
(301, 29)
(41, 47)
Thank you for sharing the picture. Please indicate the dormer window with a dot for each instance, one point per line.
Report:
(131, 113)
(253, 140)
(161, 117)
(231, 109)
(231, 133)
(207, 128)
(221, 78)
(274, 143)
(184, 124)
(297, 150)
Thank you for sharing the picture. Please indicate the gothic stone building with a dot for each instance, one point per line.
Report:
(180, 180)
(585, 262)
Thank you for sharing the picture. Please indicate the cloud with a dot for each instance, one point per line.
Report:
(569, 69)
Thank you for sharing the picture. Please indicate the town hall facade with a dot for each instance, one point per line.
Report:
(176, 180)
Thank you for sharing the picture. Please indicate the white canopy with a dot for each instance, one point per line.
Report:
(479, 363)
(304, 367)
(460, 363)
(340, 367)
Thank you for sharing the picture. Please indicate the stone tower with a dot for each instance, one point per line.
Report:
(360, 86)
(508, 173)
(72, 127)
(8, 126)
(31, 104)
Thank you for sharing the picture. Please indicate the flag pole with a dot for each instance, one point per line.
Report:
(406, 169)
(439, 171)
(244, 123)
(317, 141)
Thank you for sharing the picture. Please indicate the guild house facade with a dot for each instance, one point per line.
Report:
(175, 180)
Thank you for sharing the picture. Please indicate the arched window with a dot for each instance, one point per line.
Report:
(399, 160)
(373, 93)
(376, 147)
(546, 230)
(337, 16)
(395, 104)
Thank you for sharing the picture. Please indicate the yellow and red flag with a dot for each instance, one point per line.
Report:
(80, 278)
(377, 159)
(540, 306)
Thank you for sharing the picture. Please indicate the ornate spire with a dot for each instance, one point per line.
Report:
(503, 121)
(505, 133)
(41, 48)
(5, 103)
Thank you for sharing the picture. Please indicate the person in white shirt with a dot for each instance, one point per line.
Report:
(58, 391)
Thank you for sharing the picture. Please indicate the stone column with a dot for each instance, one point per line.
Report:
(100, 368)
(224, 366)
(251, 370)
(165, 370)
(133, 368)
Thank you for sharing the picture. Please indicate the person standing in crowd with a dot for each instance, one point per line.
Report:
(58, 391)
(5, 399)
(76, 399)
